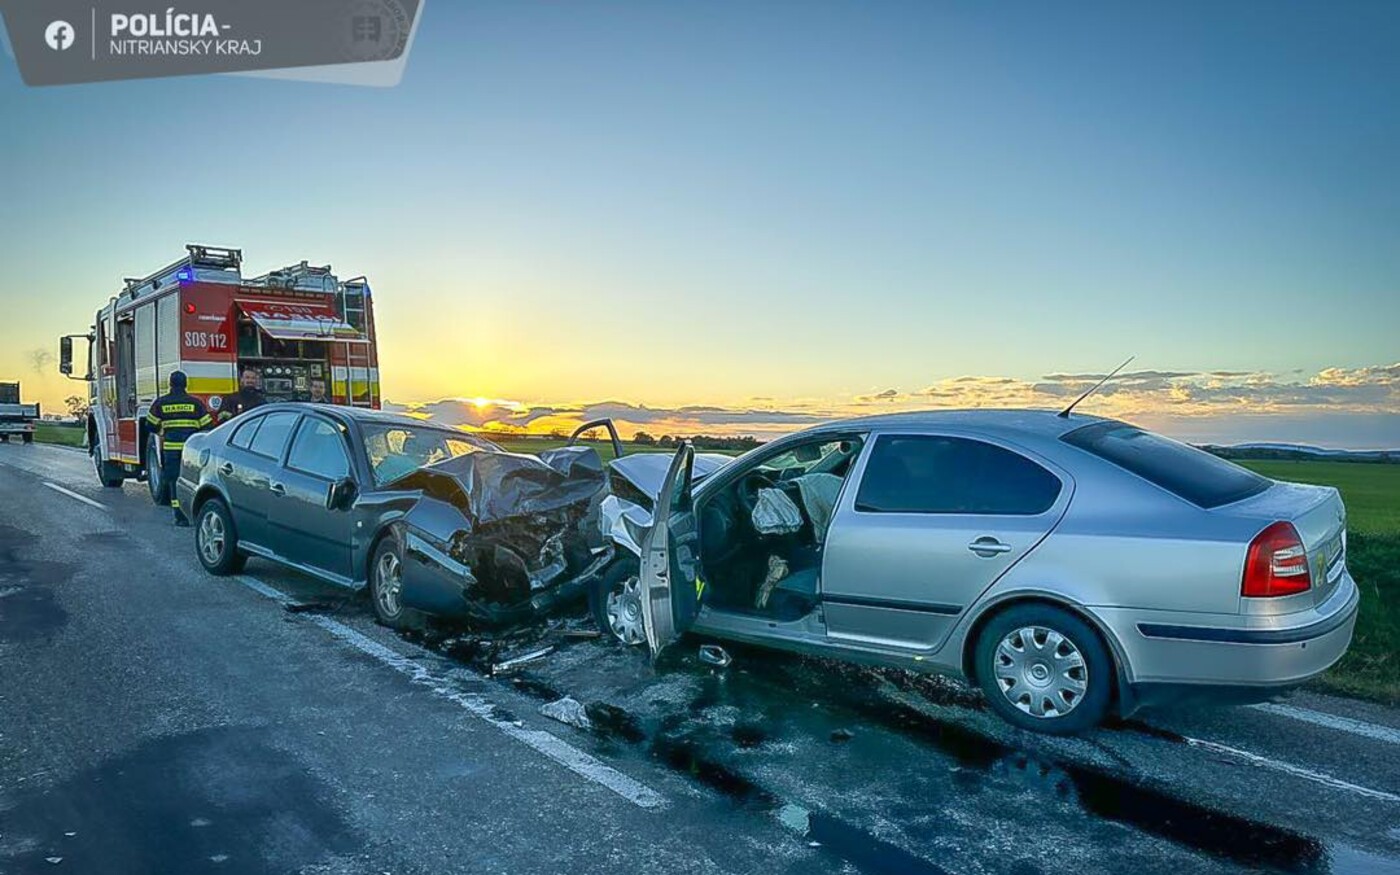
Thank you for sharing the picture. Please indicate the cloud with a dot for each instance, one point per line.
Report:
(1146, 395)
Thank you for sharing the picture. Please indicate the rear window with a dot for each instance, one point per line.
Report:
(1184, 471)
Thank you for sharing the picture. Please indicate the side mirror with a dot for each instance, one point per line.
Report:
(65, 356)
(341, 494)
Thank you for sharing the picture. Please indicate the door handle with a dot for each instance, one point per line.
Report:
(226, 468)
(988, 547)
(279, 490)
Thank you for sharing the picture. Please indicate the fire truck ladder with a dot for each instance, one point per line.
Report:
(357, 358)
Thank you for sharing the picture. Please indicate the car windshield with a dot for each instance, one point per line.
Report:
(396, 449)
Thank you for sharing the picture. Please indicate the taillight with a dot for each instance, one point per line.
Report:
(1277, 563)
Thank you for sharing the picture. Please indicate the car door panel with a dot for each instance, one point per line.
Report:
(670, 560)
(902, 578)
(302, 526)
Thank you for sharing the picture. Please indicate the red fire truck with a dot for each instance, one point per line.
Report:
(300, 328)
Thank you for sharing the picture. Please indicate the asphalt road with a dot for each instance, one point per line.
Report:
(154, 719)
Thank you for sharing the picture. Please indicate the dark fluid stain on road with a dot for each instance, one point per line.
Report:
(1100, 793)
(760, 681)
(214, 800)
(834, 836)
(28, 609)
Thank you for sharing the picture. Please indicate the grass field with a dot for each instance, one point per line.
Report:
(1371, 668)
(53, 433)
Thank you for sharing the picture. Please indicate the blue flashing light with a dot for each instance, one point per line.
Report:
(184, 275)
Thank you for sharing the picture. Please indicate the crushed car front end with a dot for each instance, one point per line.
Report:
(501, 537)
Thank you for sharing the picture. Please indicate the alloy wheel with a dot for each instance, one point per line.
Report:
(1040, 671)
(388, 584)
(212, 537)
(624, 611)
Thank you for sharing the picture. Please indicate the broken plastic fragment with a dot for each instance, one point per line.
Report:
(567, 710)
(523, 659)
(713, 654)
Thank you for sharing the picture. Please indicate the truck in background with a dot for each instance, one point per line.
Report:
(16, 418)
(301, 329)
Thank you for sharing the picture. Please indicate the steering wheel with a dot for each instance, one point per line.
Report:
(748, 491)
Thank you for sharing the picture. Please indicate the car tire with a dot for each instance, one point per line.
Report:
(154, 481)
(614, 599)
(1044, 669)
(385, 587)
(216, 539)
(108, 474)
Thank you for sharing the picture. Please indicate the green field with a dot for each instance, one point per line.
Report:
(1371, 668)
(53, 433)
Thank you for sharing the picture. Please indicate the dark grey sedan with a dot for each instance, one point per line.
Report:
(432, 520)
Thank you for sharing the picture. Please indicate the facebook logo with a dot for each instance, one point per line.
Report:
(59, 35)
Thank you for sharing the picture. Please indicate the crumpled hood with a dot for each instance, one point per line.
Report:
(646, 471)
(490, 487)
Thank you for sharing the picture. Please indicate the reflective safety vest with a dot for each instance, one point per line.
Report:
(175, 417)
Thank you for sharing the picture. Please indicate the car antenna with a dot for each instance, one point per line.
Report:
(1064, 414)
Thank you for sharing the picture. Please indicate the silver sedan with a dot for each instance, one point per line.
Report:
(1068, 565)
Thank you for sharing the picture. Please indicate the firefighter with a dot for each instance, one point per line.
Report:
(175, 416)
(248, 396)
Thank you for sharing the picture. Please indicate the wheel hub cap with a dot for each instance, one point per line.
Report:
(1040, 671)
(624, 611)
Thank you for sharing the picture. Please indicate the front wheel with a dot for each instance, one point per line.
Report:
(615, 599)
(1044, 669)
(386, 587)
(108, 474)
(216, 540)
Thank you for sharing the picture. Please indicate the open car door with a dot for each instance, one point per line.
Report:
(671, 558)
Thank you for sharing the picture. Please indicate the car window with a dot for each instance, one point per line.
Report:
(935, 474)
(319, 449)
(1186, 472)
(395, 450)
(243, 434)
(272, 434)
(809, 457)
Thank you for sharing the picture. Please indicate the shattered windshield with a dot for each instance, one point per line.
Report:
(395, 449)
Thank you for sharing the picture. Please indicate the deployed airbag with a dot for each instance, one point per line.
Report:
(775, 514)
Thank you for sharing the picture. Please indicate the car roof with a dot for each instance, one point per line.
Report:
(362, 415)
(1047, 423)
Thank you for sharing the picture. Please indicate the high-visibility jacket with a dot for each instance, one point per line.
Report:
(175, 417)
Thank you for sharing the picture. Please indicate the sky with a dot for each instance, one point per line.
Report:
(745, 217)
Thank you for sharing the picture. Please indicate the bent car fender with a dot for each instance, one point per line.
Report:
(432, 580)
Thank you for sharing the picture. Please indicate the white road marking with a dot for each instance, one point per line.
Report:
(550, 745)
(1332, 721)
(1297, 771)
(71, 494)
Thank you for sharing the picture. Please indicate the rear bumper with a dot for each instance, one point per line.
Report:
(1256, 660)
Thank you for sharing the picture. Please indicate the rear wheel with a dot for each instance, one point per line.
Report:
(615, 599)
(108, 474)
(216, 540)
(386, 587)
(154, 481)
(1044, 669)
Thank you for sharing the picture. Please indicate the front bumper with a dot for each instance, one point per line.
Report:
(1238, 651)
